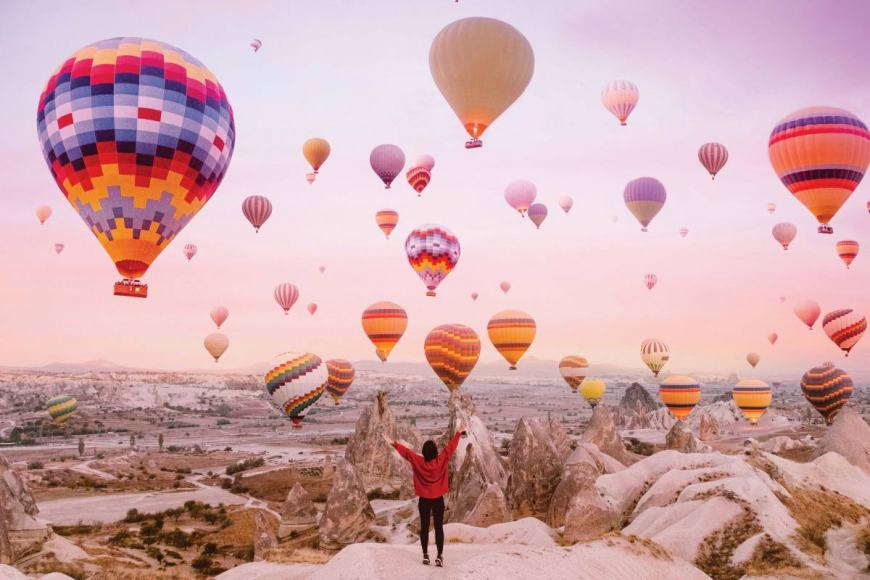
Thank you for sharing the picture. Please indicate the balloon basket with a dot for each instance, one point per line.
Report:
(473, 144)
(825, 229)
(133, 288)
(430, 293)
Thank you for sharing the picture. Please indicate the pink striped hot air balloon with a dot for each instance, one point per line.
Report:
(566, 202)
(505, 286)
(808, 312)
(58, 248)
(537, 213)
(684, 232)
(772, 337)
(713, 157)
(418, 179)
(425, 161)
(286, 295)
(845, 328)
(847, 250)
(644, 197)
(43, 212)
(257, 209)
(520, 195)
(189, 251)
(620, 98)
(784, 233)
(650, 280)
(219, 315)
(312, 308)
(387, 162)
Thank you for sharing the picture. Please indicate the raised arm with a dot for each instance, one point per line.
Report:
(452, 445)
(400, 449)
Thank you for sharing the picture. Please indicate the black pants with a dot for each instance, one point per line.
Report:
(435, 507)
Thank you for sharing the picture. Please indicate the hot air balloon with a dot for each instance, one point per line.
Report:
(753, 358)
(297, 384)
(387, 162)
(520, 195)
(828, 389)
(216, 344)
(316, 152)
(256, 44)
(286, 295)
(820, 154)
(481, 66)
(418, 179)
(138, 136)
(684, 232)
(43, 212)
(61, 408)
(537, 213)
(425, 161)
(573, 369)
(384, 323)
(505, 286)
(219, 315)
(511, 333)
(644, 197)
(58, 248)
(433, 252)
(189, 251)
(713, 157)
(771, 207)
(312, 308)
(847, 250)
(620, 98)
(784, 233)
(782, 299)
(452, 351)
(654, 354)
(321, 269)
(340, 375)
(752, 397)
(650, 280)
(808, 312)
(310, 178)
(257, 209)
(680, 394)
(772, 337)
(592, 390)
(845, 328)
(566, 202)
(387, 220)
(474, 295)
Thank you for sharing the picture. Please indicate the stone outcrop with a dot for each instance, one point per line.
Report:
(708, 429)
(348, 513)
(377, 463)
(297, 512)
(680, 438)
(581, 470)
(264, 536)
(538, 451)
(20, 531)
(849, 436)
(637, 399)
(328, 467)
(602, 433)
(638, 409)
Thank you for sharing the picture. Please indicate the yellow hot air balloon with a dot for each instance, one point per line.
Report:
(511, 333)
(680, 394)
(316, 152)
(384, 323)
(592, 390)
(481, 66)
(753, 397)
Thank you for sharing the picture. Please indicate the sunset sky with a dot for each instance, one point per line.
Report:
(357, 74)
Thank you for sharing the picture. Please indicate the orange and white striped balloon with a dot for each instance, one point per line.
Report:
(847, 250)
(387, 219)
(845, 328)
(511, 333)
(384, 323)
(680, 394)
(752, 397)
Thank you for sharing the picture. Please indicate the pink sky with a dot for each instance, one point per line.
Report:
(356, 73)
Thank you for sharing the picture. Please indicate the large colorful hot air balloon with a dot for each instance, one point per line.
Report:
(219, 315)
(520, 195)
(340, 377)
(847, 250)
(511, 333)
(257, 209)
(316, 152)
(296, 384)
(387, 219)
(845, 328)
(61, 408)
(452, 351)
(418, 179)
(286, 295)
(713, 157)
(505, 286)
(138, 136)
(566, 202)
(644, 197)
(592, 390)
(189, 251)
(753, 358)
(573, 369)
(425, 161)
(216, 344)
(654, 354)
(772, 337)
(752, 397)
(771, 207)
(680, 394)
(808, 312)
(650, 280)
(537, 213)
(620, 98)
(312, 308)
(58, 248)
(481, 66)
(784, 233)
(433, 252)
(43, 212)
(820, 154)
(387, 162)
(384, 323)
(827, 388)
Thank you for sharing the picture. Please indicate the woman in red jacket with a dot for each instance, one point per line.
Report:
(430, 485)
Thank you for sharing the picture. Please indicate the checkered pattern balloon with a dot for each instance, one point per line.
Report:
(138, 135)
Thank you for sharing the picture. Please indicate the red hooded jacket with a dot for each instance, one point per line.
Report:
(430, 477)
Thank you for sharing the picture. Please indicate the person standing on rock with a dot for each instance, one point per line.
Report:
(430, 486)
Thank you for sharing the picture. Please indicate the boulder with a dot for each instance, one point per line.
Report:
(297, 512)
(637, 399)
(681, 439)
(849, 435)
(589, 516)
(348, 513)
(579, 474)
(20, 531)
(602, 433)
(538, 451)
(264, 536)
(708, 429)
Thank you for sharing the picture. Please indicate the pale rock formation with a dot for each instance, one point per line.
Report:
(20, 531)
(708, 429)
(348, 513)
(849, 436)
(581, 470)
(680, 438)
(264, 536)
(297, 512)
(602, 433)
(538, 451)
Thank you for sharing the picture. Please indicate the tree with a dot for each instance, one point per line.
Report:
(160, 442)
(81, 446)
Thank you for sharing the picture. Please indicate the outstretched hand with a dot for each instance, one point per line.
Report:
(388, 440)
(460, 428)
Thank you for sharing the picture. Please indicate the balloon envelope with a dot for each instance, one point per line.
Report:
(713, 157)
(425, 161)
(474, 295)
(654, 354)
(418, 179)
(340, 375)
(43, 212)
(511, 333)
(286, 295)
(537, 213)
(387, 219)
(772, 337)
(520, 194)
(216, 344)
(189, 251)
(827, 388)
(680, 394)
(219, 315)
(753, 358)
(387, 162)
(784, 233)
(592, 390)
(296, 384)
(316, 152)
(452, 351)
(257, 210)
(644, 197)
(384, 323)
(808, 312)
(505, 286)
(566, 202)
(312, 308)
(650, 280)
(61, 408)
(752, 397)
(845, 328)
(771, 207)
(58, 248)
(684, 232)
(573, 369)
(433, 251)
(848, 251)
(620, 98)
